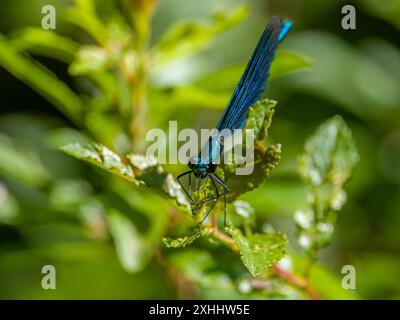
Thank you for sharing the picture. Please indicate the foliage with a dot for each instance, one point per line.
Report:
(116, 204)
(329, 159)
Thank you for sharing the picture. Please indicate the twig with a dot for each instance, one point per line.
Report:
(296, 280)
(290, 277)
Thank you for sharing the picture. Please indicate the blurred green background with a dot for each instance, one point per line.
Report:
(53, 207)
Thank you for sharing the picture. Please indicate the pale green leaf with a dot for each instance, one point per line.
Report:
(259, 251)
(101, 157)
(45, 43)
(151, 173)
(187, 38)
(327, 163)
(183, 241)
(21, 162)
(330, 154)
(89, 59)
(131, 248)
(200, 268)
(264, 163)
(84, 15)
(182, 97)
(9, 207)
(226, 79)
(260, 118)
(287, 62)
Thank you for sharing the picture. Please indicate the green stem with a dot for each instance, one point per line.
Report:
(140, 15)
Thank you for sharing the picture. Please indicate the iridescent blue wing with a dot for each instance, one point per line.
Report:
(254, 79)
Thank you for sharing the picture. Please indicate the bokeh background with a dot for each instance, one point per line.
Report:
(51, 205)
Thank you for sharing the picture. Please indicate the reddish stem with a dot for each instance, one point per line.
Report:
(289, 277)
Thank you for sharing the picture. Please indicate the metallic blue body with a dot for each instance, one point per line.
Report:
(248, 91)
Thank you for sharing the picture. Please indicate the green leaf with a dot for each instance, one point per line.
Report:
(200, 267)
(182, 97)
(260, 118)
(9, 207)
(259, 252)
(287, 62)
(183, 241)
(89, 59)
(131, 249)
(187, 38)
(21, 162)
(264, 163)
(40, 79)
(45, 43)
(226, 79)
(330, 156)
(327, 163)
(245, 212)
(68, 194)
(141, 170)
(84, 15)
(148, 170)
(101, 157)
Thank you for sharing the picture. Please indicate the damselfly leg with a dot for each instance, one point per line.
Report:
(226, 191)
(189, 194)
(215, 181)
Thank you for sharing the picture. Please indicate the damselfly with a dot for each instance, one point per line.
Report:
(248, 91)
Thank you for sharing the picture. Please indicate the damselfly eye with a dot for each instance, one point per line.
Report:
(211, 167)
(192, 163)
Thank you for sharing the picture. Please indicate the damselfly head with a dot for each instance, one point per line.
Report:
(200, 169)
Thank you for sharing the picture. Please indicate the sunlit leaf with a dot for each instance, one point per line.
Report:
(226, 79)
(131, 248)
(327, 163)
(183, 241)
(259, 251)
(21, 162)
(151, 173)
(260, 118)
(287, 62)
(245, 213)
(264, 163)
(190, 37)
(83, 14)
(9, 208)
(200, 267)
(182, 97)
(101, 157)
(68, 194)
(141, 170)
(45, 43)
(330, 155)
(89, 59)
